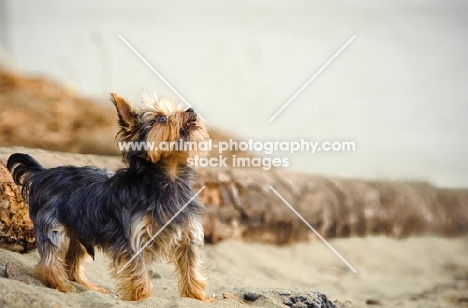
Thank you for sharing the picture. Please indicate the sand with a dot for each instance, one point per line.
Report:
(416, 272)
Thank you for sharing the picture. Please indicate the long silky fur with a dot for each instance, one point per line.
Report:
(99, 207)
(75, 209)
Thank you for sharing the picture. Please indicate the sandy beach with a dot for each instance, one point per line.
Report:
(411, 272)
(395, 207)
(417, 272)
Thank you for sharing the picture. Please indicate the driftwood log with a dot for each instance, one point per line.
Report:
(240, 204)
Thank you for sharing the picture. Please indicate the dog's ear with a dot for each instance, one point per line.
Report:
(124, 109)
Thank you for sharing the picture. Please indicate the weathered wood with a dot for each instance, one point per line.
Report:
(240, 204)
(36, 112)
(15, 226)
(16, 229)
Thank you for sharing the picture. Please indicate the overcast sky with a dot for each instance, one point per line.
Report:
(398, 90)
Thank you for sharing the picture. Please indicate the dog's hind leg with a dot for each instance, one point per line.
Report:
(75, 260)
(188, 262)
(53, 247)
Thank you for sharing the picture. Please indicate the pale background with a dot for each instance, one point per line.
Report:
(399, 90)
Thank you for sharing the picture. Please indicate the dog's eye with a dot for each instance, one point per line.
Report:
(162, 119)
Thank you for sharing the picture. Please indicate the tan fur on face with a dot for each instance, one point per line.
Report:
(177, 119)
(132, 122)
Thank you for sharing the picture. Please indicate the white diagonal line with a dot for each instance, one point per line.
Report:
(313, 77)
(312, 228)
(160, 230)
(157, 73)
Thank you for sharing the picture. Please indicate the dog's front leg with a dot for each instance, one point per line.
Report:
(133, 281)
(188, 262)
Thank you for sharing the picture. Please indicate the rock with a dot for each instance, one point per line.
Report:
(373, 302)
(154, 275)
(251, 296)
(325, 302)
(313, 300)
(284, 293)
(13, 272)
(301, 298)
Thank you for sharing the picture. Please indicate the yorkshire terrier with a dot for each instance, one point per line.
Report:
(77, 209)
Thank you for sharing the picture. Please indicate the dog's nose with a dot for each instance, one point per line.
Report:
(190, 110)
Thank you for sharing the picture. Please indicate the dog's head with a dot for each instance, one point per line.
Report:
(161, 129)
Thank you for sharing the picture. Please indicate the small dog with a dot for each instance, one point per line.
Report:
(75, 209)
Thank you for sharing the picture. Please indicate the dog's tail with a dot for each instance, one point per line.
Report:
(22, 167)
